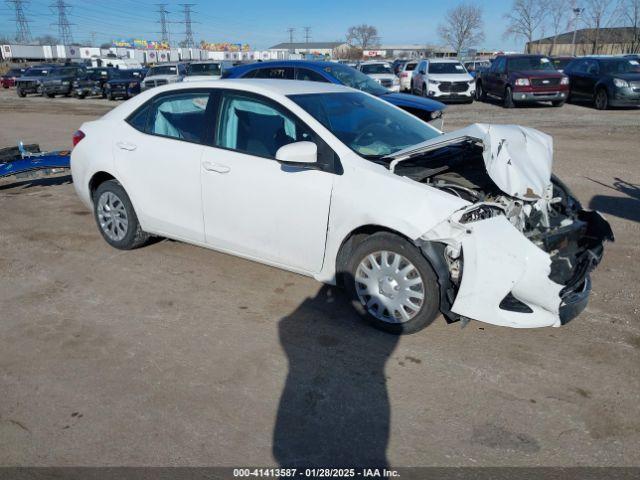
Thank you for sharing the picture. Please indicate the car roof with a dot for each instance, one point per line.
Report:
(258, 85)
(287, 63)
(443, 60)
(375, 62)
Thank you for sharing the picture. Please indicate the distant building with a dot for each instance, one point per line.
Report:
(324, 49)
(589, 41)
(417, 51)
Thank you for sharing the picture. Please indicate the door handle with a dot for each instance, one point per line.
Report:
(126, 146)
(215, 167)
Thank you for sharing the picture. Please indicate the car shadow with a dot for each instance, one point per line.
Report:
(627, 207)
(334, 409)
(36, 182)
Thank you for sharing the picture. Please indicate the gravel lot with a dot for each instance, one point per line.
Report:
(176, 355)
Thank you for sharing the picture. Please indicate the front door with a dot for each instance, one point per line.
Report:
(255, 206)
(157, 154)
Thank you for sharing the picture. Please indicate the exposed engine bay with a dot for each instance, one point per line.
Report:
(546, 214)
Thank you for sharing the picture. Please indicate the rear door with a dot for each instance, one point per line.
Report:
(157, 158)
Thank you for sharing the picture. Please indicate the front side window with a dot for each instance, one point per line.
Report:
(256, 126)
(309, 75)
(370, 127)
(446, 67)
(620, 65)
(179, 115)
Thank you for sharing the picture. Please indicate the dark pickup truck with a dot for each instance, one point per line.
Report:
(124, 84)
(60, 80)
(31, 79)
(92, 82)
(523, 78)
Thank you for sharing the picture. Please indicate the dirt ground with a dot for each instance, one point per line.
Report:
(176, 355)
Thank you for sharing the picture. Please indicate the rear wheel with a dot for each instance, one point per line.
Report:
(602, 99)
(116, 218)
(21, 93)
(480, 93)
(507, 100)
(110, 96)
(50, 95)
(392, 284)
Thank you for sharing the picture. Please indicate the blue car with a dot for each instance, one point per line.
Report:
(423, 108)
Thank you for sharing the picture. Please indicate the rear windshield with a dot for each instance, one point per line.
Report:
(530, 63)
(376, 68)
(446, 67)
(98, 74)
(123, 74)
(37, 72)
(163, 70)
(204, 69)
(409, 67)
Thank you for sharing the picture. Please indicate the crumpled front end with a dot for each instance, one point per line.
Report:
(520, 255)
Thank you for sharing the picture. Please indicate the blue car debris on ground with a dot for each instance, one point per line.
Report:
(25, 159)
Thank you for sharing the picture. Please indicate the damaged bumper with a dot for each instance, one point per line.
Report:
(503, 278)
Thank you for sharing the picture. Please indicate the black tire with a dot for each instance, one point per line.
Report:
(385, 241)
(480, 92)
(134, 236)
(50, 95)
(21, 93)
(424, 92)
(558, 103)
(110, 96)
(104, 93)
(601, 100)
(507, 99)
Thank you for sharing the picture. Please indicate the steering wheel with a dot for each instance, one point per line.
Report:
(370, 133)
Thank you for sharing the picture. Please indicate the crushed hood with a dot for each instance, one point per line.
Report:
(518, 159)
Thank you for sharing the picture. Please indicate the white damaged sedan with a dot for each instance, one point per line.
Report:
(336, 184)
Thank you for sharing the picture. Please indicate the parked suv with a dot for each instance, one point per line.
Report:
(92, 82)
(8, 80)
(406, 75)
(443, 79)
(164, 74)
(605, 81)
(209, 70)
(124, 84)
(381, 72)
(31, 80)
(60, 80)
(523, 78)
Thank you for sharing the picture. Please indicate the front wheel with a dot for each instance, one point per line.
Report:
(602, 99)
(21, 93)
(116, 218)
(480, 93)
(507, 101)
(558, 103)
(392, 284)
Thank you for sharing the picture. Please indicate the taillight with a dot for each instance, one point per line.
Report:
(77, 136)
(404, 74)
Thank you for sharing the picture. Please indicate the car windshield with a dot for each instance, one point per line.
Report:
(204, 69)
(98, 74)
(353, 78)
(163, 70)
(560, 63)
(372, 128)
(124, 74)
(37, 72)
(446, 67)
(620, 66)
(376, 68)
(530, 63)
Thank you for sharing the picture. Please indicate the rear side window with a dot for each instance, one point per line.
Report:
(180, 115)
(283, 73)
(309, 75)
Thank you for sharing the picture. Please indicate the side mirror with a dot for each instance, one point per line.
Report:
(298, 153)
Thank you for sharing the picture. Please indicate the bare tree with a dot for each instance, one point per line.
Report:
(599, 14)
(462, 26)
(559, 18)
(630, 17)
(526, 19)
(363, 36)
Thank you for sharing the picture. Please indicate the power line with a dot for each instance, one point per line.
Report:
(164, 24)
(188, 31)
(64, 27)
(23, 34)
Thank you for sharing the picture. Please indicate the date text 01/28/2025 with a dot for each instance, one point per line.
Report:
(314, 473)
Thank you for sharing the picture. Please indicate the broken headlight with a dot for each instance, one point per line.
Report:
(483, 212)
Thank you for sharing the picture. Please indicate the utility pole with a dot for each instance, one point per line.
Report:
(188, 32)
(93, 39)
(576, 16)
(23, 34)
(64, 27)
(291, 31)
(307, 36)
(164, 24)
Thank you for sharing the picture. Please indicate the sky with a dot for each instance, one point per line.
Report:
(260, 23)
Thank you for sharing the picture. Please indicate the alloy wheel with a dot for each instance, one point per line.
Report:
(112, 216)
(389, 286)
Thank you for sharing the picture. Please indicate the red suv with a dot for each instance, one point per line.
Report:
(8, 80)
(521, 79)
